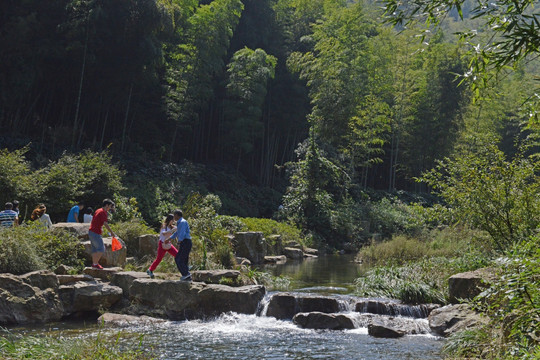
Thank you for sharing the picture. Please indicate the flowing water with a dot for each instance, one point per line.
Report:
(239, 336)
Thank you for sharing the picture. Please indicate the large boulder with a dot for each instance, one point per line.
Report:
(393, 308)
(384, 330)
(250, 245)
(319, 320)
(450, 319)
(80, 230)
(286, 305)
(125, 279)
(293, 253)
(84, 297)
(179, 300)
(467, 285)
(274, 244)
(227, 277)
(22, 303)
(109, 258)
(148, 245)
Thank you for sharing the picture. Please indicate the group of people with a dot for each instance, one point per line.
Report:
(174, 227)
(73, 215)
(9, 217)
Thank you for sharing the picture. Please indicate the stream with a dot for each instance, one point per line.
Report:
(240, 336)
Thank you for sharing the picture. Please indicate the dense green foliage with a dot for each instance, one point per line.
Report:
(512, 306)
(89, 177)
(490, 192)
(29, 247)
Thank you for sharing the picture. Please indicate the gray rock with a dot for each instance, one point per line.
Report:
(77, 229)
(88, 296)
(311, 251)
(69, 279)
(42, 279)
(179, 300)
(126, 320)
(293, 253)
(242, 261)
(280, 259)
(293, 244)
(104, 274)
(109, 257)
(319, 320)
(22, 303)
(467, 285)
(393, 308)
(216, 276)
(250, 245)
(125, 279)
(450, 319)
(286, 305)
(62, 269)
(274, 244)
(148, 245)
(382, 330)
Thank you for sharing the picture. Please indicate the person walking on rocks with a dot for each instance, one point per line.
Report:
(164, 246)
(184, 245)
(96, 241)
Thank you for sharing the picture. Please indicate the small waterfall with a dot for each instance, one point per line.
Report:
(379, 307)
(262, 308)
(346, 304)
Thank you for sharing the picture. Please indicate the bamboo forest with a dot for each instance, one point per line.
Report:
(374, 163)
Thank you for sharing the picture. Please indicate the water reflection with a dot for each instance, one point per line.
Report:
(325, 274)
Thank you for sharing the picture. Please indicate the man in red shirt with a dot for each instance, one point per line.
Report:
(98, 221)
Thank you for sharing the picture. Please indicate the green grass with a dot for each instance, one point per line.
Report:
(421, 281)
(447, 242)
(104, 347)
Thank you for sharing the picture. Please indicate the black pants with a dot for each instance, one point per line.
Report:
(181, 259)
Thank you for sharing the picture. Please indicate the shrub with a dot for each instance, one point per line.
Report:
(19, 254)
(89, 177)
(28, 248)
(130, 231)
(391, 216)
(15, 179)
(272, 227)
(490, 192)
(512, 304)
(448, 241)
(126, 209)
(58, 247)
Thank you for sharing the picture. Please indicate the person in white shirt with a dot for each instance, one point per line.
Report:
(164, 246)
(39, 214)
(88, 215)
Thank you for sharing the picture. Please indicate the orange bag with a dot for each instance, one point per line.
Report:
(116, 245)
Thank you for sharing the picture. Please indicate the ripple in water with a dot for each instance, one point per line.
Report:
(236, 336)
